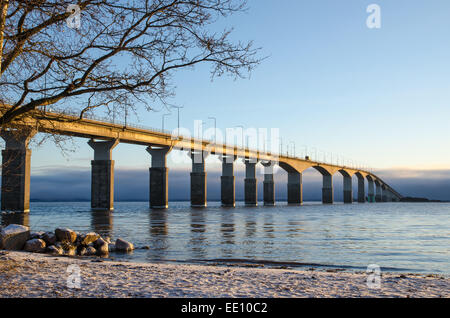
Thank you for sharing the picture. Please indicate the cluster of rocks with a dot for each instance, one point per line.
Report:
(61, 242)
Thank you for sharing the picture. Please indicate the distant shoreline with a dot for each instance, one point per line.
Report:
(418, 200)
(37, 275)
(404, 200)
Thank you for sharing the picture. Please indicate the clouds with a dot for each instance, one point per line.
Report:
(426, 174)
(431, 184)
(133, 184)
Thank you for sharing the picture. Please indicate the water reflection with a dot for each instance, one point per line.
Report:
(406, 236)
(294, 229)
(198, 237)
(227, 230)
(269, 234)
(250, 226)
(15, 218)
(250, 233)
(158, 233)
(268, 226)
(102, 222)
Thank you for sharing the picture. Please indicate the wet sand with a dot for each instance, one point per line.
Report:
(37, 275)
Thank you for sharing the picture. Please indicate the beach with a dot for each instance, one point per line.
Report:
(25, 274)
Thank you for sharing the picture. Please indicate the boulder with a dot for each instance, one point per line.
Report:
(101, 246)
(90, 250)
(49, 238)
(54, 250)
(69, 250)
(14, 237)
(35, 245)
(86, 239)
(98, 242)
(124, 246)
(36, 235)
(111, 247)
(82, 251)
(66, 235)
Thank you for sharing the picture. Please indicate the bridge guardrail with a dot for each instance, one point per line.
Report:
(90, 116)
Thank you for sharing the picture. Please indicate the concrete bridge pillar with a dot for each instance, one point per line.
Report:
(16, 159)
(227, 181)
(361, 189)
(198, 179)
(327, 189)
(348, 189)
(378, 195)
(394, 198)
(384, 195)
(371, 192)
(295, 188)
(388, 194)
(159, 182)
(269, 184)
(102, 175)
(251, 183)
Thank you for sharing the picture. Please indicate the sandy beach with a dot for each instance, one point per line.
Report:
(37, 275)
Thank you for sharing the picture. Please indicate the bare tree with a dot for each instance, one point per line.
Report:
(123, 54)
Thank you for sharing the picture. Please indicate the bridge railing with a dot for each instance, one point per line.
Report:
(286, 154)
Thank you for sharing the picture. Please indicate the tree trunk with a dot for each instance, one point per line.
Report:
(3, 12)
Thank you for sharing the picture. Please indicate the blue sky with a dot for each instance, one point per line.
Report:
(379, 96)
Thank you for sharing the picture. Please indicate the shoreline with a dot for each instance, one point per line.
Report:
(293, 266)
(24, 274)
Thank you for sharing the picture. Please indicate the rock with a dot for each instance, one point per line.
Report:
(66, 235)
(90, 250)
(82, 251)
(49, 238)
(36, 235)
(52, 249)
(35, 245)
(124, 246)
(70, 250)
(101, 246)
(86, 239)
(14, 237)
(103, 250)
(111, 247)
(107, 239)
(146, 247)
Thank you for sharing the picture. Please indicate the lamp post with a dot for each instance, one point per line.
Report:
(281, 145)
(293, 144)
(178, 117)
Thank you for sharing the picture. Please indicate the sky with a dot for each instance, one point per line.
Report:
(378, 96)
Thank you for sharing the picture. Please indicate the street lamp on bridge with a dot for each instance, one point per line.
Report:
(178, 117)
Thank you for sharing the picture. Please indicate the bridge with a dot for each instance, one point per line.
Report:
(104, 136)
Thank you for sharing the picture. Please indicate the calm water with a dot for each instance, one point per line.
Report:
(397, 236)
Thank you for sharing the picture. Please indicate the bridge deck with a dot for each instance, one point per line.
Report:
(69, 125)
